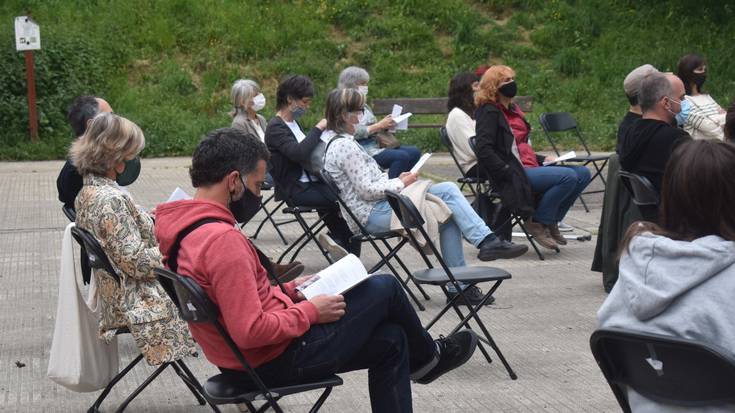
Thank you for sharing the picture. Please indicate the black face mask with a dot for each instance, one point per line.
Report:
(699, 79)
(509, 90)
(245, 208)
(130, 173)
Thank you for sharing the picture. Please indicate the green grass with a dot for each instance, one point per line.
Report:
(168, 64)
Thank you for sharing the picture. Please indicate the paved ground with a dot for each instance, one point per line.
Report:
(542, 319)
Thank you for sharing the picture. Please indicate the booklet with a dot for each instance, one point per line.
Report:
(338, 278)
(177, 195)
(420, 163)
(562, 158)
(400, 119)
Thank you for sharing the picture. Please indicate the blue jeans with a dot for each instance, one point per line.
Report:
(398, 160)
(380, 331)
(560, 185)
(464, 222)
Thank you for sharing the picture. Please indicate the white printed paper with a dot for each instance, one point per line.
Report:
(335, 279)
(397, 109)
(420, 163)
(402, 121)
(177, 195)
(562, 158)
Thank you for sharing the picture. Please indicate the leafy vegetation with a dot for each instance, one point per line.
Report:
(168, 65)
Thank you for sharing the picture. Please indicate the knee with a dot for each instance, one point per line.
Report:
(583, 174)
(413, 152)
(445, 188)
(383, 285)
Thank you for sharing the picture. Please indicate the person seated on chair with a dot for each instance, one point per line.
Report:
(505, 155)
(703, 117)
(106, 156)
(288, 339)
(395, 160)
(647, 145)
(79, 114)
(363, 185)
(247, 101)
(677, 278)
(290, 149)
(632, 88)
(460, 124)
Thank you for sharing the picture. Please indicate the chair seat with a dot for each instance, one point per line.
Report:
(223, 390)
(589, 158)
(298, 209)
(475, 274)
(378, 236)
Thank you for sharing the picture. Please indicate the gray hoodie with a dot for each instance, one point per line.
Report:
(677, 288)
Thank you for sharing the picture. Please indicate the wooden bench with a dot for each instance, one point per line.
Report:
(432, 106)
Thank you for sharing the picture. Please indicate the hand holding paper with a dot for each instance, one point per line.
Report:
(562, 158)
(335, 279)
(420, 163)
(401, 120)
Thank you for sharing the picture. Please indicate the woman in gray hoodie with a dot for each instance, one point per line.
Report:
(678, 278)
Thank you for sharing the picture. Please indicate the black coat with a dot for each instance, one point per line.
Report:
(493, 145)
(288, 155)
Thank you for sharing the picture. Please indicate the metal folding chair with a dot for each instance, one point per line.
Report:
(665, 369)
(560, 122)
(473, 182)
(98, 260)
(269, 214)
(411, 220)
(196, 307)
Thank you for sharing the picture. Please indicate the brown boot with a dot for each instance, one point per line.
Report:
(556, 235)
(540, 234)
(287, 272)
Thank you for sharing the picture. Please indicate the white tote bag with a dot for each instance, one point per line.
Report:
(79, 360)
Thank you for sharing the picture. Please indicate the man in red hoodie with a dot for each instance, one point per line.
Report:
(286, 338)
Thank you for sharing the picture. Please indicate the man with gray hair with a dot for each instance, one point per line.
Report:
(647, 145)
(632, 87)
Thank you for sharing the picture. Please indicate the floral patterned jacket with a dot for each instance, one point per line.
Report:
(139, 302)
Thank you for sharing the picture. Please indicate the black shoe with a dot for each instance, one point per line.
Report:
(498, 248)
(454, 351)
(474, 294)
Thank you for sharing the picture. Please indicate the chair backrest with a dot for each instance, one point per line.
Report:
(97, 257)
(663, 368)
(70, 213)
(405, 210)
(555, 122)
(639, 188)
(444, 137)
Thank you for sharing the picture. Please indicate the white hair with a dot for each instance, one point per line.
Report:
(351, 76)
(242, 91)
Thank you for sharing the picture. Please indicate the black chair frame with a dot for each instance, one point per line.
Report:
(514, 219)
(664, 369)
(196, 307)
(412, 221)
(473, 182)
(310, 231)
(98, 260)
(365, 236)
(641, 190)
(269, 215)
(552, 122)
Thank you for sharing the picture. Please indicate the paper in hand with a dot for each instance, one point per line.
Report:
(420, 163)
(401, 120)
(562, 158)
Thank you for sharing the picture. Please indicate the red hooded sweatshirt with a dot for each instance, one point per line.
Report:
(260, 318)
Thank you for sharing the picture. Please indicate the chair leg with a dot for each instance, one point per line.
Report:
(271, 403)
(529, 238)
(311, 236)
(96, 406)
(194, 385)
(142, 387)
(320, 401)
(189, 384)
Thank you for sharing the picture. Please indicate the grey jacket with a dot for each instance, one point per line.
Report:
(241, 121)
(676, 288)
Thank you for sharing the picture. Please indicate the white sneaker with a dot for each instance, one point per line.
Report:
(564, 227)
(336, 252)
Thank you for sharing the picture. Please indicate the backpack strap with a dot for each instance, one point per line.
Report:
(173, 255)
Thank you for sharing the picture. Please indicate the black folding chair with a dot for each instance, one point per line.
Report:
(269, 214)
(98, 260)
(70, 213)
(665, 369)
(196, 307)
(559, 122)
(365, 236)
(310, 231)
(513, 217)
(643, 194)
(411, 221)
(473, 182)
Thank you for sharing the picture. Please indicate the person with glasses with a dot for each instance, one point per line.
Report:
(396, 160)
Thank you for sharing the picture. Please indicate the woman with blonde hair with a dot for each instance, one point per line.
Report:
(106, 156)
(505, 156)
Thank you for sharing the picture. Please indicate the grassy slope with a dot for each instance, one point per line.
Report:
(168, 65)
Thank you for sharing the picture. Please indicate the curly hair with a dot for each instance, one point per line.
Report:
(109, 140)
(490, 82)
(223, 151)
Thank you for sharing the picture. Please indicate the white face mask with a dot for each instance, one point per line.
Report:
(258, 102)
(363, 90)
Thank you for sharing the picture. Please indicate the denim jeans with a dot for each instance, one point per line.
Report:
(560, 185)
(380, 331)
(398, 160)
(464, 222)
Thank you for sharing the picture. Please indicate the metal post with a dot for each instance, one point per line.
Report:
(32, 117)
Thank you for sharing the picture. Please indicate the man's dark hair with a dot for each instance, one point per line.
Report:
(82, 110)
(461, 94)
(223, 151)
(685, 70)
(297, 87)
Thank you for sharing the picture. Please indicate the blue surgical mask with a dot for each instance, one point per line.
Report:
(297, 112)
(683, 115)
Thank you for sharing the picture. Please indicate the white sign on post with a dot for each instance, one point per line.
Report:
(27, 34)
